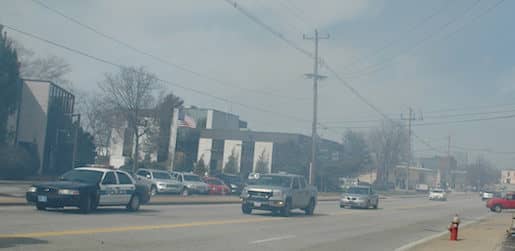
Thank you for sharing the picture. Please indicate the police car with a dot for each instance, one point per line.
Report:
(87, 188)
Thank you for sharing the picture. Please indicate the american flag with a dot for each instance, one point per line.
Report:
(186, 121)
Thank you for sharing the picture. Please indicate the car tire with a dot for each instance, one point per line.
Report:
(40, 207)
(376, 205)
(86, 204)
(153, 191)
(134, 204)
(497, 208)
(185, 192)
(285, 210)
(310, 209)
(246, 208)
(342, 206)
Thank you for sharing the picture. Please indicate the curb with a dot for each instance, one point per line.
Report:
(438, 235)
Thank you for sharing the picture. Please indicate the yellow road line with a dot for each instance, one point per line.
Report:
(132, 228)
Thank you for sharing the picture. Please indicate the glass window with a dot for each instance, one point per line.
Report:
(162, 176)
(124, 178)
(296, 184)
(302, 182)
(142, 173)
(273, 180)
(86, 176)
(109, 179)
(214, 182)
(192, 178)
(358, 190)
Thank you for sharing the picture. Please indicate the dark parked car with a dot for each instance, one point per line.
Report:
(87, 188)
(235, 182)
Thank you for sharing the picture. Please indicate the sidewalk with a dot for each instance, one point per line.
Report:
(487, 234)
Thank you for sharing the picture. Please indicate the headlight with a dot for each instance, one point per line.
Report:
(189, 185)
(277, 193)
(68, 192)
(234, 186)
(32, 189)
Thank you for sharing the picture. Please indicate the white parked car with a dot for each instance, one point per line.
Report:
(437, 194)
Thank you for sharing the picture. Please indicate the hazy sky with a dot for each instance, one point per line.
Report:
(430, 55)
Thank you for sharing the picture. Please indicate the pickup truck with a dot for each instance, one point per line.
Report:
(279, 193)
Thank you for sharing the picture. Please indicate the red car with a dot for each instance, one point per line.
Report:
(217, 186)
(497, 204)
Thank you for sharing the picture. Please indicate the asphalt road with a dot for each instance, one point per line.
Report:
(397, 222)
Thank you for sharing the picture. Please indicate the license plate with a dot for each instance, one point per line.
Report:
(257, 204)
(42, 198)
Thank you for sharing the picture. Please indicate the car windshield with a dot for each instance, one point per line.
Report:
(86, 176)
(232, 179)
(162, 176)
(273, 180)
(358, 190)
(214, 182)
(192, 178)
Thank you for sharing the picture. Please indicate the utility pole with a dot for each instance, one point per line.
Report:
(411, 117)
(315, 77)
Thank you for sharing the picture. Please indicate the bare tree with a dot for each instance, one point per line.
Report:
(388, 145)
(129, 93)
(51, 68)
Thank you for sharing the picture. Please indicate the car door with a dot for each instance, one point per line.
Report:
(126, 188)
(304, 192)
(374, 197)
(108, 189)
(296, 193)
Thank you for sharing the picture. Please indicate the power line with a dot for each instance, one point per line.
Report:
(294, 11)
(160, 59)
(466, 120)
(392, 42)
(270, 29)
(182, 86)
(381, 65)
(310, 55)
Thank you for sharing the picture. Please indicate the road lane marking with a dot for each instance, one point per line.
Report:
(279, 238)
(132, 228)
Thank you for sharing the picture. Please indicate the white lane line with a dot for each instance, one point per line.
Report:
(273, 239)
(431, 237)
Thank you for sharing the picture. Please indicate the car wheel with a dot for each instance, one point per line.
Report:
(285, 211)
(85, 204)
(376, 205)
(40, 207)
(246, 208)
(185, 192)
(310, 209)
(134, 204)
(153, 191)
(498, 208)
